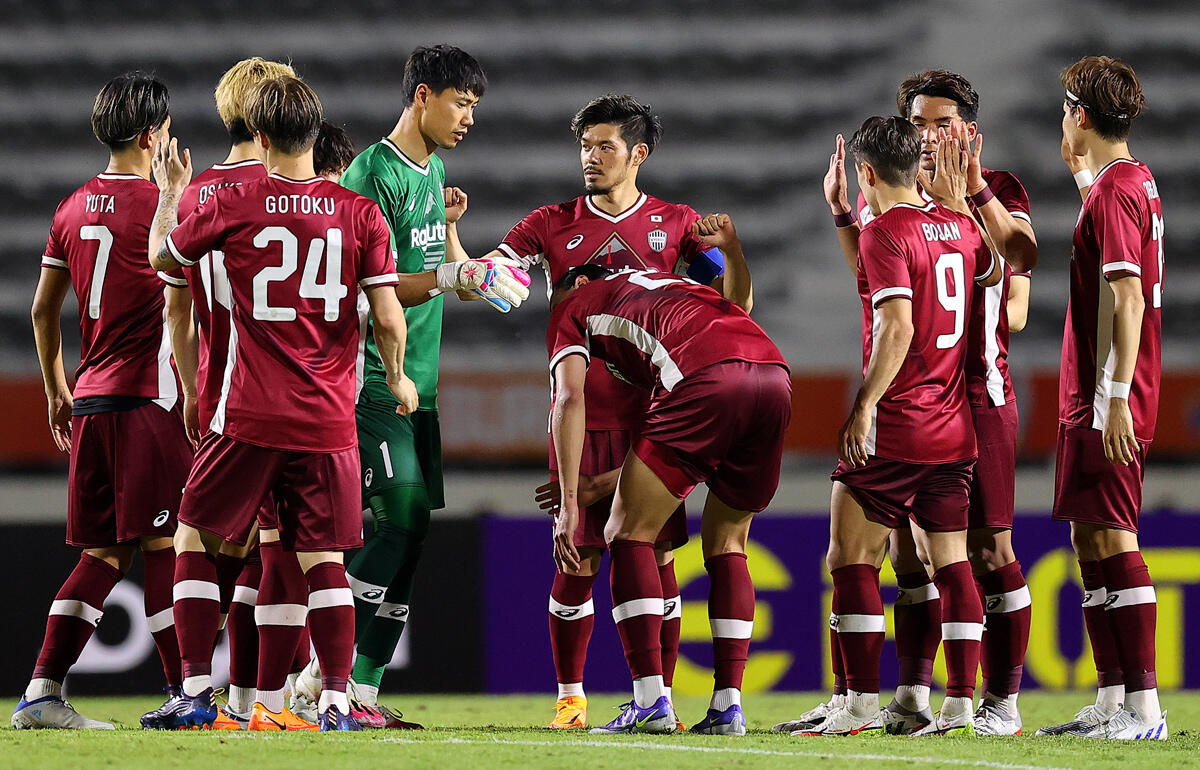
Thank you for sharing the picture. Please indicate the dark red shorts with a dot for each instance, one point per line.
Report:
(604, 451)
(1091, 490)
(892, 491)
(993, 485)
(317, 497)
(126, 475)
(722, 425)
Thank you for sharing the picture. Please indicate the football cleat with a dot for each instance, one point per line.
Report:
(1127, 726)
(657, 718)
(996, 718)
(303, 707)
(961, 725)
(227, 720)
(151, 719)
(811, 718)
(263, 719)
(898, 720)
(569, 713)
(368, 717)
(731, 721)
(185, 712)
(843, 721)
(1089, 722)
(395, 720)
(51, 712)
(333, 720)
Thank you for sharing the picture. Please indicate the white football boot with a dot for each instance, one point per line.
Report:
(812, 717)
(52, 712)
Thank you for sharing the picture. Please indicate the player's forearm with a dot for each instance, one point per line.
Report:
(567, 424)
(390, 339)
(848, 241)
(1013, 238)
(454, 248)
(47, 335)
(184, 344)
(593, 489)
(887, 357)
(1127, 332)
(414, 288)
(738, 286)
(166, 217)
(1017, 306)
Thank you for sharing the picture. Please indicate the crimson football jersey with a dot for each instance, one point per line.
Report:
(210, 287)
(99, 235)
(295, 252)
(932, 256)
(653, 329)
(649, 235)
(1119, 233)
(988, 380)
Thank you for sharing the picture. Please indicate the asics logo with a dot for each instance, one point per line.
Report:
(373, 594)
(567, 613)
(668, 607)
(399, 612)
(833, 622)
(368, 476)
(161, 518)
(1087, 598)
(1111, 599)
(578, 239)
(993, 603)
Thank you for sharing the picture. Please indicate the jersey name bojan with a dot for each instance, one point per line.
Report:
(410, 196)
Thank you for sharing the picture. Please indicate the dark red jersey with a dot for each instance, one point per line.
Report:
(210, 287)
(100, 233)
(295, 253)
(988, 380)
(931, 256)
(649, 235)
(652, 330)
(1119, 234)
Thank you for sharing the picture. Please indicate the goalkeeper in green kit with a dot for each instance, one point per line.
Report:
(402, 455)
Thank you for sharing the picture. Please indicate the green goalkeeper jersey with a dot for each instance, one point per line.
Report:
(410, 196)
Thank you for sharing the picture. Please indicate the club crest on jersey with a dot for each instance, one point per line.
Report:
(616, 253)
(578, 239)
(657, 239)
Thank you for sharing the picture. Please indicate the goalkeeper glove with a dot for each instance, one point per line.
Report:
(501, 282)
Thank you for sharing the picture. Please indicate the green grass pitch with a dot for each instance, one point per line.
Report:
(497, 731)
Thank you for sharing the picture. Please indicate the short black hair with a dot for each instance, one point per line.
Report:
(892, 146)
(939, 83)
(441, 67)
(333, 150)
(128, 105)
(639, 125)
(592, 272)
(287, 111)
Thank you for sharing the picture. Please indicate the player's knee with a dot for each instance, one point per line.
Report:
(119, 556)
(989, 550)
(151, 544)
(188, 539)
(310, 559)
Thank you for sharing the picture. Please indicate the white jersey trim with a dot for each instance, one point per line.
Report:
(107, 175)
(283, 178)
(1021, 215)
(607, 325)
(378, 279)
(569, 351)
(592, 207)
(171, 247)
(992, 299)
(894, 291)
(52, 262)
(423, 170)
(1107, 167)
(1127, 267)
(217, 424)
(168, 386)
(172, 280)
(239, 164)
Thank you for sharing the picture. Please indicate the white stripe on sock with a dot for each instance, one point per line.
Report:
(731, 628)
(918, 595)
(571, 611)
(962, 632)
(161, 620)
(1127, 597)
(76, 609)
(673, 608)
(860, 624)
(1010, 601)
(280, 614)
(245, 595)
(367, 592)
(196, 589)
(330, 597)
(1095, 597)
(635, 607)
(392, 611)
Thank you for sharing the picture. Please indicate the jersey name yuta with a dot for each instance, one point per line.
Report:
(932, 256)
(99, 236)
(295, 253)
(209, 285)
(653, 330)
(988, 379)
(649, 235)
(1119, 234)
(410, 196)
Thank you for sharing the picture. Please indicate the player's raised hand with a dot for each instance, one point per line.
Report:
(566, 521)
(456, 203)
(1075, 163)
(59, 406)
(974, 164)
(947, 184)
(172, 169)
(1120, 444)
(500, 281)
(548, 497)
(837, 193)
(715, 230)
(405, 392)
(852, 439)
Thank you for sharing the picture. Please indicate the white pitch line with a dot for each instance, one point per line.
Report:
(728, 750)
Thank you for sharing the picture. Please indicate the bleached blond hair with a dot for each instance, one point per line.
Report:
(236, 83)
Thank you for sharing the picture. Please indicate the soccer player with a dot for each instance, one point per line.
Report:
(333, 152)
(938, 101)
(129, 452)
(615, 224)
(720, 401)
(907, 449)
(1108, 395)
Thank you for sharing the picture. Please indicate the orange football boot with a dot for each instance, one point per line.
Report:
(570, 713)
(263, 719)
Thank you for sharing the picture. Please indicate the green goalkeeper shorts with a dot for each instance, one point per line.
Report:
(399, 450)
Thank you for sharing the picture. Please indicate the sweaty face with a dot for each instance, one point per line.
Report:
(605, 158)
(928, 114)
(448, 116)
